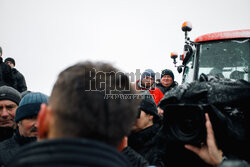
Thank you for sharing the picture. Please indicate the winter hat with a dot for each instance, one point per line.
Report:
(148, 72)
(9, 93)
(167, 72)
(148, 104)
(30, 105)
(11, 60)
(24, 93)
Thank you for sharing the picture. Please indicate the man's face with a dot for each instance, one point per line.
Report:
(28, 127)
(143, 122)
(7, 113)
(10, 64)
(166, 80)
(148, 81)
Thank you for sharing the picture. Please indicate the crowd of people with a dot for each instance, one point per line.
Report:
(204, 123)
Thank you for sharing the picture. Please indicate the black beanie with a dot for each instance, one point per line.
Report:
(30, 105)
(9, 93)
(148, 104)
(11, 60)
(167, 72)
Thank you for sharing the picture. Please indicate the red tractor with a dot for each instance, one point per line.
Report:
(226, 54)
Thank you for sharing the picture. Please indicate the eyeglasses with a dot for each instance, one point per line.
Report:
(9, 108)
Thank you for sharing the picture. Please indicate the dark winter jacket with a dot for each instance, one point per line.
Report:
(9, 147)
(19, 81)
(69, 153)
(146, 142)
(6, 77)
(136, 159)
(165, 89)
(6, 133)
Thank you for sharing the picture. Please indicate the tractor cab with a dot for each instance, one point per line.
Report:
(225, 54)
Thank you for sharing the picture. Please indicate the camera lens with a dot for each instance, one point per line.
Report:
(187, 126)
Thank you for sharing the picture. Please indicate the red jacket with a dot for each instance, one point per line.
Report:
(155, 92)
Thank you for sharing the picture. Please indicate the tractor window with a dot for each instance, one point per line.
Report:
(188, 73)
(227, 58)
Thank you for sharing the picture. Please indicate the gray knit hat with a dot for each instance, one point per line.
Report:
(148, 72)
(9, 93)
(30, 105)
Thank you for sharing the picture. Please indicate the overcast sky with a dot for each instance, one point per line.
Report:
(46, 36)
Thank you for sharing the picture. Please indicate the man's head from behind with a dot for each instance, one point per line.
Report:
(9, 100)
(26, 113)
(78, 107)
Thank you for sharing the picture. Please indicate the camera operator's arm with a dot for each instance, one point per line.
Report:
(210, 152)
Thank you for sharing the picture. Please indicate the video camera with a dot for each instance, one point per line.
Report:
(226, 103)
(185, 123)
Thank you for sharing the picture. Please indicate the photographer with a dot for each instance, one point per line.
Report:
(144, 137)
(187, 130)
